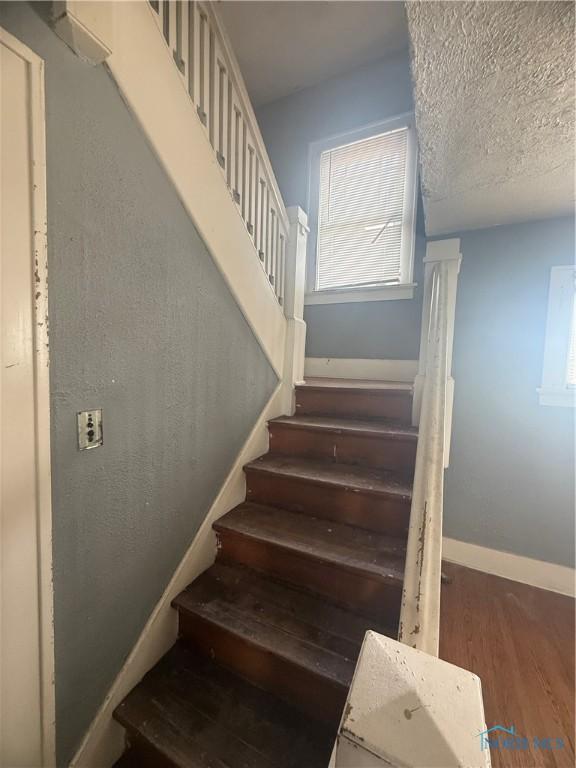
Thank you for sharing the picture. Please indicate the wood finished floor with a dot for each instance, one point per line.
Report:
(520, 641)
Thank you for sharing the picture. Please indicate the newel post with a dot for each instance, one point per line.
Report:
(295, 281)
(445, 252)
(86, 26)
(406, 707)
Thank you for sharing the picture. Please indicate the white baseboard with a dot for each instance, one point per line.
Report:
(104, 741)
(537, 573)
(376, 370)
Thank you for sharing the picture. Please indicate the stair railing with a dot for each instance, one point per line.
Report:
(420, 611)
(202, 52)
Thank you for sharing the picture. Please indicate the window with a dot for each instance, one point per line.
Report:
(559, 374)
(362, 241)
(571, 368)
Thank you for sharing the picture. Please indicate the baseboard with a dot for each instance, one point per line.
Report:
(347, 368)
(536, 573)
(104, 741)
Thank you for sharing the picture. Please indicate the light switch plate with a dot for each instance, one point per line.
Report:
(90, 429)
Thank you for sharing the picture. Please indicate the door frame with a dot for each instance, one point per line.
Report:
(41, 404)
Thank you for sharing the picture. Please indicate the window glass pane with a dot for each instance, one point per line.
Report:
(571, 368)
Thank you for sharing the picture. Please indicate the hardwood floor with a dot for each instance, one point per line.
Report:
(520, 641)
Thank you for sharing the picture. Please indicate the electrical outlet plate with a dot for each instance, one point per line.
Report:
(90, 429)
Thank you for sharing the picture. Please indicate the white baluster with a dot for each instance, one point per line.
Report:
(243, 163)
(211, 83)
(250, 184)
(237, 154)
(256, 200)
(271, 246)
(230, 133)
(263, 207)
(202, 68)
(221, 97)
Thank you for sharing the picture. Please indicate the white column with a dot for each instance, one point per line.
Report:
(408, 708)
(295, 282)
(86, 26)
(447, 251)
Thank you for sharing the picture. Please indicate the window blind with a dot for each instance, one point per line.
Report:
(571, 367)
(361, 212)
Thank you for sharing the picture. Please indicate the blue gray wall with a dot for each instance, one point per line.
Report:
(510, 484)
(142, 325)
(382, 329)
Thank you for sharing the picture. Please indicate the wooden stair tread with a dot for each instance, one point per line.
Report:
(299, 614)
(270, 634)
(364, 427)
(348, 476)
(267, 631)
(341, 545)
(192, 713)
(318, 382)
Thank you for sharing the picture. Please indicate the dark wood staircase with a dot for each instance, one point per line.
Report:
(270, 634)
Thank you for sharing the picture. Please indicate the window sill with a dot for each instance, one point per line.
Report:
(350, 295)
(562, 397)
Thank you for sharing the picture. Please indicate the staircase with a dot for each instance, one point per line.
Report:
(269, 635)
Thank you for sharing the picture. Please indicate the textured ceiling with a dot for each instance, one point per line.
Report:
(494, 94)
(285, 46)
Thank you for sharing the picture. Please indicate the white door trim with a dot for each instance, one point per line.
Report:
(41, 405)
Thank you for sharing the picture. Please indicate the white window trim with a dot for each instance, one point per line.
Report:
(371, 293)
(554, 390)
(402, 290)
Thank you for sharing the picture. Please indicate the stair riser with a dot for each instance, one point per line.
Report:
(318, 696)
(355, 404)
(381, 452)
(143, 754)
(374, 512)
(351, 588)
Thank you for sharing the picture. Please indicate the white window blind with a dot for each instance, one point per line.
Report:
(571, 367)
(361, 216)
(559, 369)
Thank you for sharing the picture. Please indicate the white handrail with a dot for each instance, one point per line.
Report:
(420, 611)
(208, 67)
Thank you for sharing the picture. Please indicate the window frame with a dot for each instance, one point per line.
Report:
(555, 390)
(405, 288)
